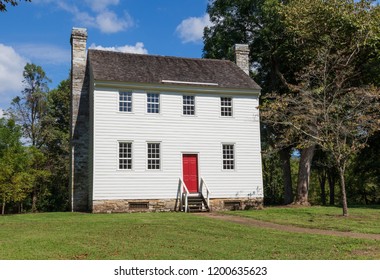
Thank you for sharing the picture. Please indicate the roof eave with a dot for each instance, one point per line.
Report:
(180, 88)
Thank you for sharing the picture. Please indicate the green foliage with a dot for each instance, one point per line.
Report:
(258, 23)
(365, 189)
(10, 135)
(334, 102)
(14, 179)
(44, 117)
(57, 123)
(272, 179)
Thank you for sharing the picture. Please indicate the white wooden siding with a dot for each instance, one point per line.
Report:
(203, 134)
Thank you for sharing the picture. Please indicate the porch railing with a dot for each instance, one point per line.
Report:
(205, 191)
(183, 196)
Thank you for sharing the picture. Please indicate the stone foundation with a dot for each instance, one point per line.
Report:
(236, 204)
(166, 205)
(127, 205)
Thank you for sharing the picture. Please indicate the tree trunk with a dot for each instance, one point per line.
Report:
(34, 201)
(3, 207)
(331, 180)
(343, 187)
(286, 175)
(322, 184)
(304, 175)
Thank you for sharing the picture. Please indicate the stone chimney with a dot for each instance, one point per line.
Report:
(242, 57)
(79, 131)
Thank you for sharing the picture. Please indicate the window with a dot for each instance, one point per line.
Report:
(125, 155)
(228, 157)
(153, 103)
(125, 101)
(188, 105)
(154, 156)
(226, 106)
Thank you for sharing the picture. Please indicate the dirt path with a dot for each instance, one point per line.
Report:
(289, 228)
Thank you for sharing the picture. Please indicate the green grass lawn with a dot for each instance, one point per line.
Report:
(163, 236)
(362, 220)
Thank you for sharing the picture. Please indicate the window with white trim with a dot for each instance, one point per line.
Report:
(226, 106)
(228, 156)
(125, 155)
(154, 161)
(153, 103)
(125, 102)
(188, 105)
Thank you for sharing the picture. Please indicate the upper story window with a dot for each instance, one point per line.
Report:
(125, 101)
(154, 161)
(228, 156)
(153, 103)
(226, 106)
(125, 155)
(188, 105)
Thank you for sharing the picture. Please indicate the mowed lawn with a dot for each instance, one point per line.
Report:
(164, 236)
(360, 219)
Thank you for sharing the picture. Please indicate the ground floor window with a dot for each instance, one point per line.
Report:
(228, 156)
(154, 161)
(125, 155)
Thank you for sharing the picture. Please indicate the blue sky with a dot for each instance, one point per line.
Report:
(39, 32)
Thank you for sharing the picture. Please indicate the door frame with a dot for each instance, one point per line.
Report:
(198, 164)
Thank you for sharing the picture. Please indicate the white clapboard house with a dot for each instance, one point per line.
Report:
(158, 133)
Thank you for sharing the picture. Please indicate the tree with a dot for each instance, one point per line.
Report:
(39, 175)
(14, 179)
(333, 105)
(29, 109)
(365, 189)
(3, 3)
(56, 150)
(326, 173)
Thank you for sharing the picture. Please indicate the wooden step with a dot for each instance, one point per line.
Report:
(196, 203)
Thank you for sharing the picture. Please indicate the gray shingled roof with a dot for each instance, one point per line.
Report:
(137, 68)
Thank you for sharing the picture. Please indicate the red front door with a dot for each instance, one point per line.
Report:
(190, 172)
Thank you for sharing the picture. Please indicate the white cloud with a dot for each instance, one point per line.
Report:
(137, 48)
(191, 29)
(109, 22)
(100, 5)
(11, 69)
(102, 18)
(81, 17)
(1, 113)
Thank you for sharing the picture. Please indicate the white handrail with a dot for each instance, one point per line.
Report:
(208, 192)
(182, 186)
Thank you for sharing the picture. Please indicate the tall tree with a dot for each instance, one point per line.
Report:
(29, 111)
(30, 108)
(334, 104)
